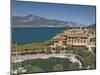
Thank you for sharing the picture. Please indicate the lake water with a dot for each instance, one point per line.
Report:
(48, 64)
(34, 35)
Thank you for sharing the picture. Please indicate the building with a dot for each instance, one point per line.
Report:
(74, 37)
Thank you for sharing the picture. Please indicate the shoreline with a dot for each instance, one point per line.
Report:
(69, 56)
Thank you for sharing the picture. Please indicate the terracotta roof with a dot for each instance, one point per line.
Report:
(76, 35)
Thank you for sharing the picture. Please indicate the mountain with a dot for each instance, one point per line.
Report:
(36, 21)
(92, 26)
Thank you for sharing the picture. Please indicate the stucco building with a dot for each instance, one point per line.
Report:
(74, 37)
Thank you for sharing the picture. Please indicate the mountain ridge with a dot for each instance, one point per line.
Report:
(36, 21)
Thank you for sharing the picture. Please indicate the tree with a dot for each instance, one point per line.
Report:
(58, 67)
(31, 69)
(15, 66)
(69, 48)
(74, 66)
(89, 61)
(37, 69)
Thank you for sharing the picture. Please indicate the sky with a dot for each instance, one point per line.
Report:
(82, 14)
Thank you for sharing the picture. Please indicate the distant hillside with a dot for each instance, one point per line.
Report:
(92, 26)
(36, 21)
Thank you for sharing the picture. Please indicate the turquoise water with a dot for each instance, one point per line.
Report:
(34, 35)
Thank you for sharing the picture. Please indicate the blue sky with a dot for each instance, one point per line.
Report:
(77, 13)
